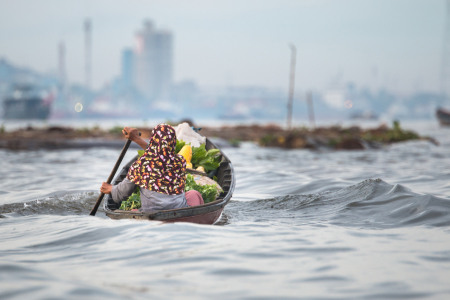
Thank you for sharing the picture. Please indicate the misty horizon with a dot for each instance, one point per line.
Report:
(395, 45)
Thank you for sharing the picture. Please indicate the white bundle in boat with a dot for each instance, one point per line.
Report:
(202, 180)
(187, 134)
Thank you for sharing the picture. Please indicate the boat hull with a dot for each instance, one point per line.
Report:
(203, 218)
(208, 213)
(25, 109)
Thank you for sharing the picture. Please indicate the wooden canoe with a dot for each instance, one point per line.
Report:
(207, 213)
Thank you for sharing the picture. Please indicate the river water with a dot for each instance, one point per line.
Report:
(301, 225)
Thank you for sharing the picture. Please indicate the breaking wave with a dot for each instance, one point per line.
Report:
(372, 203)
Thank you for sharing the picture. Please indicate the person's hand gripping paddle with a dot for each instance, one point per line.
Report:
(111, 176)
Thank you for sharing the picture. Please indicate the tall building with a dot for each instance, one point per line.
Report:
(88, 52)
(62, 65)
(152, 65)
(127, 67)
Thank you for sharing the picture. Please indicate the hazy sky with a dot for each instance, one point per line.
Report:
(392, 43)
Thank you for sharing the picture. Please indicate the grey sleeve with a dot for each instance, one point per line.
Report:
(122, 190)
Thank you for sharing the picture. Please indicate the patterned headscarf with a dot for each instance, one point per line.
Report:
(160, 169)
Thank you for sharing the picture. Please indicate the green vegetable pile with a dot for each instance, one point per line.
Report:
(180, 144)
(134, 201)
(210, 160)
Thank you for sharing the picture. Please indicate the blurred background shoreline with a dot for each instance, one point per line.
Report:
(357, 62)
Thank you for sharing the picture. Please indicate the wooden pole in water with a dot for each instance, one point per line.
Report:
(312, 119)
(291, 86)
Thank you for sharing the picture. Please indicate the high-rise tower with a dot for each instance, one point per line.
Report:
(61, 65)
(153, 62)
(88, 52)
(127, 67)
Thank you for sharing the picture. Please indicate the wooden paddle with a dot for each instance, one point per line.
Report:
(111, 176)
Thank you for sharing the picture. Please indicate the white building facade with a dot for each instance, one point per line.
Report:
(152, 65)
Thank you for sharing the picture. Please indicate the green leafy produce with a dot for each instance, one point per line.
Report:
(208, 191)
(198, 153)
(134, 201)
(180, 144)
(210, 160)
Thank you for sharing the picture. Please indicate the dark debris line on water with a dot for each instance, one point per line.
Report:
(333, 137)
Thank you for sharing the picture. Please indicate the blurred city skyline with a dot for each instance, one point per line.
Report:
(396, 45)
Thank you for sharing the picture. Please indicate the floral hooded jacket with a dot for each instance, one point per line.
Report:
(160, 169)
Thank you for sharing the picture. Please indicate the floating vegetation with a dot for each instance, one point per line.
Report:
(116, 130)
(395, 134)
(335, 137)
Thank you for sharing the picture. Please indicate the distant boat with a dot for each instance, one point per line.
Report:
(443, 116)
(25, 102)
(366, 115)
(233, 116)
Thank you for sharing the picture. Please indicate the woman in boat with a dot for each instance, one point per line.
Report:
(160, 173)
